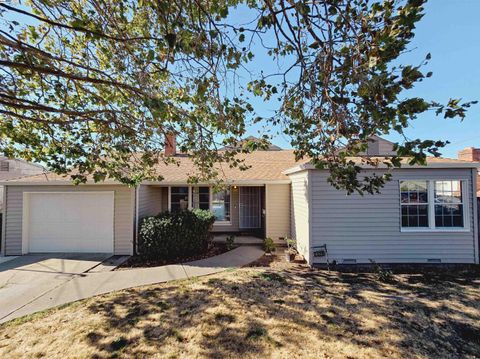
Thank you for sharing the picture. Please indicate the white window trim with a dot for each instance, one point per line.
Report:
(431, 208)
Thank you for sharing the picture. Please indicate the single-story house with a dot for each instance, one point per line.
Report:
(425, 214)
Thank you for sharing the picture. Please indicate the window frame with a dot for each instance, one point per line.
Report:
(431, 206)
(224, 222)
(415, 204)
(190, 202)
(192, 190)
(170, 196)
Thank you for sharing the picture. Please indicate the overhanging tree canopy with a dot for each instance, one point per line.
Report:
(95, 85)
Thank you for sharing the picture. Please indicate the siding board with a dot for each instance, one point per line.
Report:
(368, 227)
(300, 212)
(150, 201)
(277, 206)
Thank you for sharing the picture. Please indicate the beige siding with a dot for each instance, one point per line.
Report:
(234, 223)
(164, 191)
(124, 214)
(277, 206)
(150, 201)
(300, 227)
(368, 227)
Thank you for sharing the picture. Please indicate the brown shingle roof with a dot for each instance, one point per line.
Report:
(266, 166)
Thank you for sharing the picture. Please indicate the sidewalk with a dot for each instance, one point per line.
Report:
(92, 284)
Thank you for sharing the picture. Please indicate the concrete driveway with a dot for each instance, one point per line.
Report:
(69, 284)
(27, 278)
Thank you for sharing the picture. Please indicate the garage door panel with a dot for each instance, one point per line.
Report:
(70, 222)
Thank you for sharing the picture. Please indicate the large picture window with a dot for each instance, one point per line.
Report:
(201, 197)
(221, 205)
(432, 204)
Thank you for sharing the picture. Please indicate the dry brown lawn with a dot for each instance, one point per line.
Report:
(274, 312)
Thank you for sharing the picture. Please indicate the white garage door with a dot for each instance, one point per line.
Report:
(69, 222)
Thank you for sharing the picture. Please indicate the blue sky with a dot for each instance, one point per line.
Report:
(450, 31)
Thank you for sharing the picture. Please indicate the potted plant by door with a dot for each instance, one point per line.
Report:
(291, 251)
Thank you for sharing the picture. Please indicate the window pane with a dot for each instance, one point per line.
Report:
(178, 198)
(448, 204)
(458, 221)
(413, 221)
(413, 192)
(221, 205)
(415, 215)
(448, 192)
(205, 206)
(180, 190)
(201, 197)
(449, 215)
(423, 221)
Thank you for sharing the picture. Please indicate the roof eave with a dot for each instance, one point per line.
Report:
(55, 183)
(160, 183)
(309, 166)
(252, 182)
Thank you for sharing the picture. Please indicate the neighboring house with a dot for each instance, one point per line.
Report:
(240, 144)
(426, 214)
(13, 168)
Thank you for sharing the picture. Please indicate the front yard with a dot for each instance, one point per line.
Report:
(279, 311)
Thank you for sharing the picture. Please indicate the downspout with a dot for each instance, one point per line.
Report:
(135, 237)
(476, 217)
(4, 222)
(310, 222)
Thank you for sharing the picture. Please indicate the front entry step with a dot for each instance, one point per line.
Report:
(239, 240)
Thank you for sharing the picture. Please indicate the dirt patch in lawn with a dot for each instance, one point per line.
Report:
(277, 261)
(256, 312)
(140, 262)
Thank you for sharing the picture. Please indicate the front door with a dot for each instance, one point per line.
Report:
(250, 207)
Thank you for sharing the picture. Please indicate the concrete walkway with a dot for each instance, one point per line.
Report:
(92, 284)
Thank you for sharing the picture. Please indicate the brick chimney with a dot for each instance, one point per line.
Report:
(170, 145)
(469, 154)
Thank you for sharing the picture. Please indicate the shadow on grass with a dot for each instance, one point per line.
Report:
(256, 312)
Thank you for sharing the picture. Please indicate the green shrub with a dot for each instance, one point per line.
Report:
(268, 245)
(382, 274)
(230, 241)
(178, 234)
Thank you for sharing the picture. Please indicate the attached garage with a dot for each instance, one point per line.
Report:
(49, 218)
(68, 222)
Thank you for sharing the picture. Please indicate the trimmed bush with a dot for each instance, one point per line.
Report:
(178, 234)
